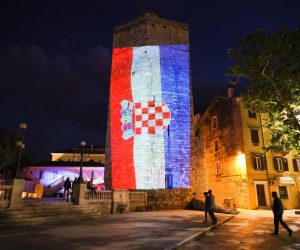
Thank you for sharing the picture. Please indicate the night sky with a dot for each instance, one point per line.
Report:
(55, 59)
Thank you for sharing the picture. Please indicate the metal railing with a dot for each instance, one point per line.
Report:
(5, 192)
(99, 195)
(57, 182)
(55, 186)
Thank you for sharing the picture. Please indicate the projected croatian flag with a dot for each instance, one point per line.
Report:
(150, 117)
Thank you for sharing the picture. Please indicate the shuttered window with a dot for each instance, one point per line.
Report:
(281, 164)
(259, 162)
(296, 164)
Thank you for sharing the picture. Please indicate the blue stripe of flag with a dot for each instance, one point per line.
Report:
(174, 67)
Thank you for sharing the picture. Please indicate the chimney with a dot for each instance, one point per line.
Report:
(230, 91)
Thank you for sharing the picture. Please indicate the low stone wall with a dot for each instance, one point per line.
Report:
(104, 207)
(169, 198)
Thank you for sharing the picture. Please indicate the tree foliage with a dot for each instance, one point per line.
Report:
(270, 65)
(8, 150)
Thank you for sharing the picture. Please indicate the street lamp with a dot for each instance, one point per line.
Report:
(81, 161)
(21, 146)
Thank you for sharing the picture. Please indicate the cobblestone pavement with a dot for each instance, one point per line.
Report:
(251, 229)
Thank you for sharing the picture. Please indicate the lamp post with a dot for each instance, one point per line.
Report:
(21, 146)
(81, 161)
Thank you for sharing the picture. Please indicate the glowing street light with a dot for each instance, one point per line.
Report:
(83, 143)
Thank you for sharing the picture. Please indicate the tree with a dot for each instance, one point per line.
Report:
(269, 64)
(8, 150)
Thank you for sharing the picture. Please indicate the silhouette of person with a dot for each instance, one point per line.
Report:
(67, 186)
(206, 206)
(278, 212)
(211, 207)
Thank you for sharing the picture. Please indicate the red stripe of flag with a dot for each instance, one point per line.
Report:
(123, 174)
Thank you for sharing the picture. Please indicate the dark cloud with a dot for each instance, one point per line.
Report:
(72, 89)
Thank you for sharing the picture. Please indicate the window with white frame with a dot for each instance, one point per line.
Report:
(214, 122)
(257, 162)
(296, 163)
(218, 168)
(281, 164)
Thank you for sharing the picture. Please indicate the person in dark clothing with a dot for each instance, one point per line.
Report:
(211, 207)
(206, 206)
(278, 212)
(67, 186)
(91, 187)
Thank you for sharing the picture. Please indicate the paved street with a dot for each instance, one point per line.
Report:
(139, 230)
(251, 229)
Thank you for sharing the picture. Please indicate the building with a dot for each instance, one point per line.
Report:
(238, 167)
(66, 163)
(150, 124)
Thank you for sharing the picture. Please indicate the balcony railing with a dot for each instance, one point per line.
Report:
(98, 195)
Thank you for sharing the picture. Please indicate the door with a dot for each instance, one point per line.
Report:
(261, 198)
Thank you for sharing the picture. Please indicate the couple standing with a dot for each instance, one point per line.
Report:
(209, 207)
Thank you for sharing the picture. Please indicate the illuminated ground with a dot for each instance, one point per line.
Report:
(156, 230)
(251, 229)
(139, 230)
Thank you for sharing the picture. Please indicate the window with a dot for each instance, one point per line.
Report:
(218, 168)
(254, 136)
(283, 193)
(214, 122)
(281, 164)
(251, 114)
(216, 145)
(296, 163)
(257, 162)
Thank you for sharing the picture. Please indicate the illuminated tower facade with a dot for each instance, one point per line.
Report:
(150, 106)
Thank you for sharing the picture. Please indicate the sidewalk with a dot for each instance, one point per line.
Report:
(139, 230)
(250, 229)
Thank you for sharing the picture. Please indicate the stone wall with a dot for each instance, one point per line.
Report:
(198, 175)
(149, 29)
(229, 182)
(169, 198)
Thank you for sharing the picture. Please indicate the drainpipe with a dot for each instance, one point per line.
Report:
(265, 156)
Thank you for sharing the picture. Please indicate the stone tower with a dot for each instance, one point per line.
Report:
(150, 71)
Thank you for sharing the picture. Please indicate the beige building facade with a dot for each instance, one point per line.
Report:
(239, 169)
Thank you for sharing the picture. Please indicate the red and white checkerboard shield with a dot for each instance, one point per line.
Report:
(148, 117)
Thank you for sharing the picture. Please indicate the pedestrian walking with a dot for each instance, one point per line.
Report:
(206, 206)
(278, 212)
(67, 186)
(211, 207)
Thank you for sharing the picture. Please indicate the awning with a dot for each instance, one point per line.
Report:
(285, 180)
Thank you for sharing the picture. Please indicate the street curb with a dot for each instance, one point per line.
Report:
(181, 245)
